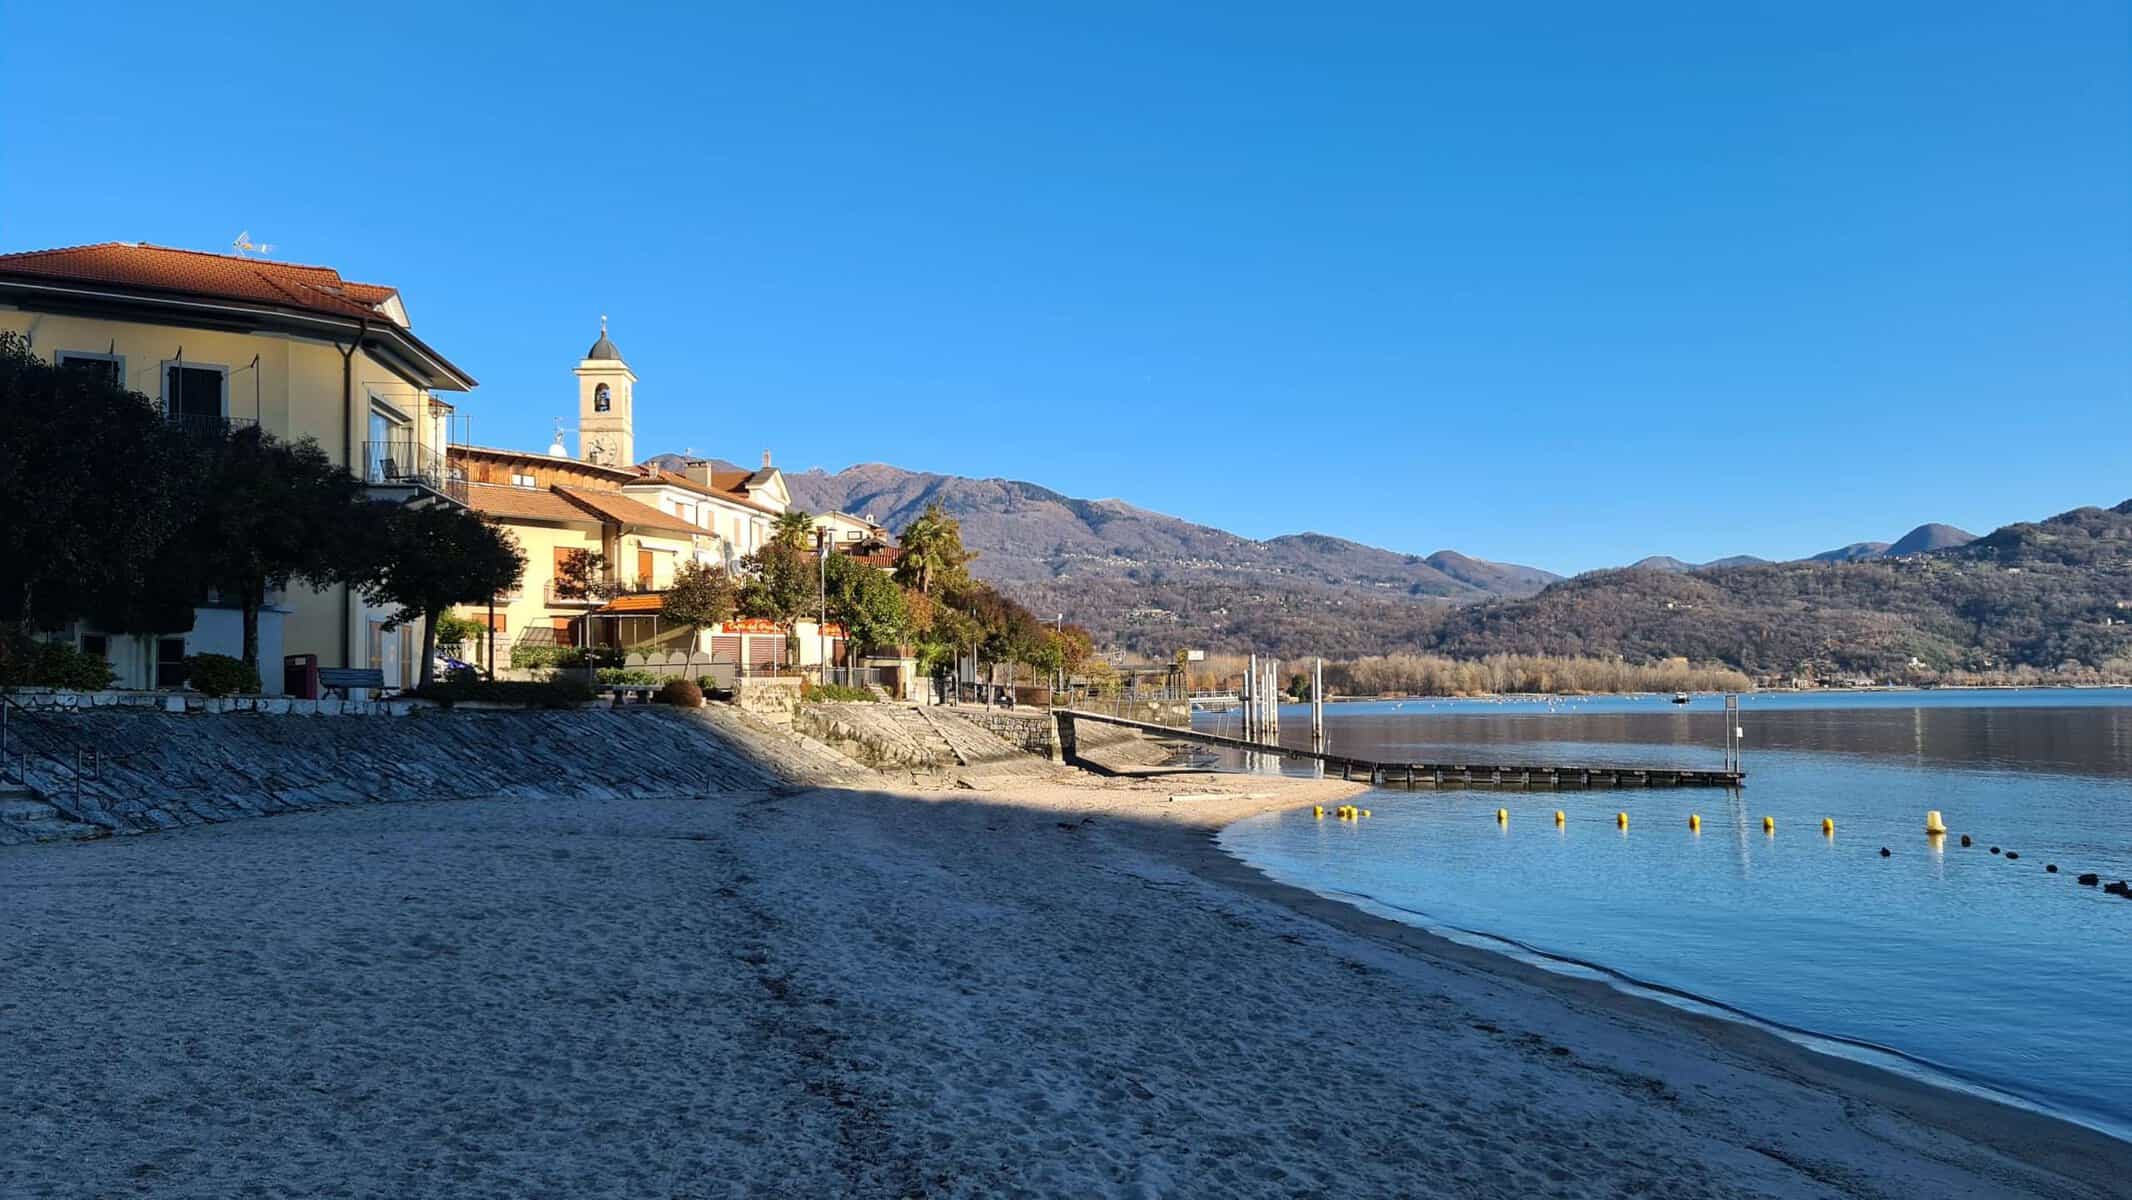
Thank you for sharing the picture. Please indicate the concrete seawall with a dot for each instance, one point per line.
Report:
(162, 770)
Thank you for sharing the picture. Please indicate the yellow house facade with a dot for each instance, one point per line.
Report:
(220, 340)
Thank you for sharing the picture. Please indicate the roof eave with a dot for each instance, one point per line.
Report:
(437, 371)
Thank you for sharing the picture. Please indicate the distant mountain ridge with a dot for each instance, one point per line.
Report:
(2035, 595)
(1151, 582)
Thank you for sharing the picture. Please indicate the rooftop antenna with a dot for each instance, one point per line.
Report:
(243, 244)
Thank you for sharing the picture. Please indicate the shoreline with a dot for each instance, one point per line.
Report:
(2052, 1142)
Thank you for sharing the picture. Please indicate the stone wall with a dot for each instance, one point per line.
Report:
(159, 770)
(1034, 732)
(774, 697)
(60, 702)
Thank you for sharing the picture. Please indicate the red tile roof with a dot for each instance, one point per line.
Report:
(195, 273)
(621, 509)
(662, 475)
(528, 504)
(153, 273)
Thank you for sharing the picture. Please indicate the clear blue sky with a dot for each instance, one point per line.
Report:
(1566, 286)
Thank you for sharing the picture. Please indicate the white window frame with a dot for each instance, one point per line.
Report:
(521, 479)
(61, 358)
(163, 381)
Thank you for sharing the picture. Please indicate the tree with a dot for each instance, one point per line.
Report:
(701, 596)
(794, 527)
(267, 513)
(933, 554)
(425, 560)
(867, 603)
(782, 584)
(95, 484)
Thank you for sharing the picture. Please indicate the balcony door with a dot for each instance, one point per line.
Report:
(196, 397)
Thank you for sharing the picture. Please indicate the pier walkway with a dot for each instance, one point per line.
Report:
(1417, 774)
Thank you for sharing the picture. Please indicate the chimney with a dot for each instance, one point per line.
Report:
(766, 460)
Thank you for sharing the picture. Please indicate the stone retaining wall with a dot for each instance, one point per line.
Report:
(1034, 732)
(776, 697)
(160, 769)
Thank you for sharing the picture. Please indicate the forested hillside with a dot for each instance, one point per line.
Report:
(2038, 594)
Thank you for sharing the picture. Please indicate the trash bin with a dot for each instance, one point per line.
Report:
(299, 676)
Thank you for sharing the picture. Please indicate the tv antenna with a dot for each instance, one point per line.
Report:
(243, 244)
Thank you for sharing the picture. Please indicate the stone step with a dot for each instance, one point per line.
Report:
(25, 818)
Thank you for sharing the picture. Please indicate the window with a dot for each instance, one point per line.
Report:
(96, 645)
(195, 395)
(602, 400)
(170, 662)
(108, 367)
(522, 480)
(390, 449)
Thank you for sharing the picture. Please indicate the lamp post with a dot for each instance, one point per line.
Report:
(1058, 673)
(821, 630)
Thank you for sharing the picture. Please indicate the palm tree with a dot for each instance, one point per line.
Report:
(794, 527)
(932, 550)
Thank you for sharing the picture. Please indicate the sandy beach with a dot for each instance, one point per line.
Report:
(1058, 987)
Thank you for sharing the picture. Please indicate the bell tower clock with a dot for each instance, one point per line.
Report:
(605, 405)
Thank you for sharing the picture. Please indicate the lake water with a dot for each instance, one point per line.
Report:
(1955, 964)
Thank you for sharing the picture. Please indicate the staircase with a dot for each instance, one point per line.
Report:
(24, 818)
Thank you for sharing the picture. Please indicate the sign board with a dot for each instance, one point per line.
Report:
(1195, 656)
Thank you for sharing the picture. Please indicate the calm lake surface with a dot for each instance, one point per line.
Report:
(1953, 964)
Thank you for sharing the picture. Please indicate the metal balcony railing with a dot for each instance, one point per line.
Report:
(208, 425)
(406, 462)
(559, 592)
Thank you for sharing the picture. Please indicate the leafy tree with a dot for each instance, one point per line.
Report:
(782, 584)
(933, 554)
(95, 484)
(701, 596)
(584, 574)
(268, 513)
(867, 603)
(425, 560)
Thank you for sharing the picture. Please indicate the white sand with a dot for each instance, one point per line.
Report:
(1062, 991)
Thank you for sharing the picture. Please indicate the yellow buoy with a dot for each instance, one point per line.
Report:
(1769, 824)
(1365, 812)
(1502, 815)
(1318, 811)
(1695, 822)
(1933, 824)
(1559, 818)
(1828, 826)
(1621, 819)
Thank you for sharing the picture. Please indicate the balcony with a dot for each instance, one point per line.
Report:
(559, 592)
(404, 462)
(207, 426)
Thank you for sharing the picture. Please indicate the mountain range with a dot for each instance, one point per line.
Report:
(1149, 582)
(2037, 595)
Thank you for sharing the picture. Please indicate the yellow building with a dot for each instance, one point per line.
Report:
(221, 340)
(643, 520)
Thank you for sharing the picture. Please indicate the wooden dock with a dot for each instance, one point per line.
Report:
(1419, 774)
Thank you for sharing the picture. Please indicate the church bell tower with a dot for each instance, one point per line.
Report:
(605, 406)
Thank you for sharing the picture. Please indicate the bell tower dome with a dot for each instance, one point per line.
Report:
(605, 405)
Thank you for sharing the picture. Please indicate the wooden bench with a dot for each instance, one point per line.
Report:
(340, 679)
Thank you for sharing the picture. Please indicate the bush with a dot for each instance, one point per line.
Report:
(835, 692)
(220, 675)
(546, 693)
(681, 694)
(535, 655)
(28, 663)
(455, 632)
(625, 675)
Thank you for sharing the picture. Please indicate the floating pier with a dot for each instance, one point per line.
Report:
(1421, 774)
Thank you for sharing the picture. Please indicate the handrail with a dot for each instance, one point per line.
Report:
(88, 760)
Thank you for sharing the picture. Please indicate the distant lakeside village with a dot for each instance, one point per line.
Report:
(268, 413)
(228, 347)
